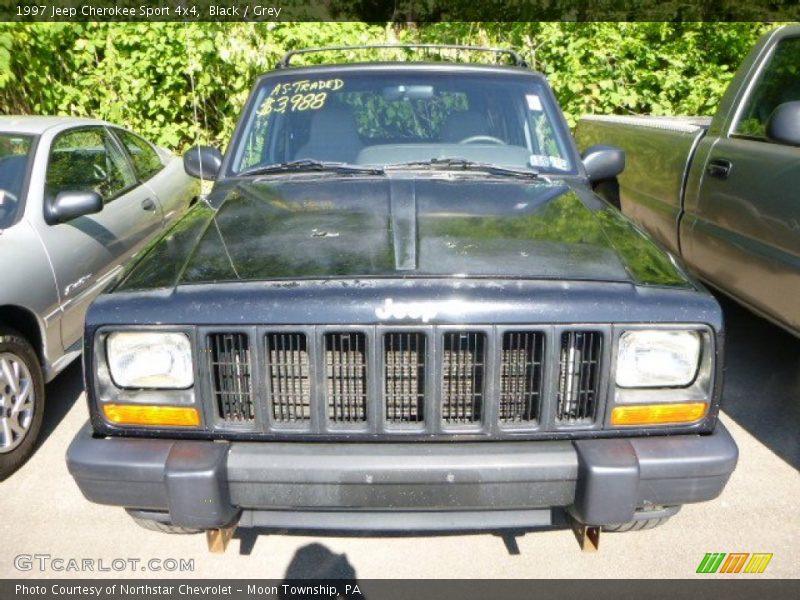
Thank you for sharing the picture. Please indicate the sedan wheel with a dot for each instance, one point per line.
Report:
(21, 400)
(17, 400)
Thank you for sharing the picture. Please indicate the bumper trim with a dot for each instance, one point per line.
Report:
(396, 521)
(205, 484)
(197, 470)
(608, 481)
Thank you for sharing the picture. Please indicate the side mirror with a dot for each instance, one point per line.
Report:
(202, 162)
(783, 125)
(71, 205)
(603, 162)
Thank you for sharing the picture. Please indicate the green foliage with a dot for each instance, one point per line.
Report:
(429, 11)
(154, 77)
(622, 68)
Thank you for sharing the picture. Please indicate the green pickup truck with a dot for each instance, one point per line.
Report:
(721, 192)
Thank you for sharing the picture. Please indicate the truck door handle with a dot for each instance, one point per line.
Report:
(148, 204)
(719, 168)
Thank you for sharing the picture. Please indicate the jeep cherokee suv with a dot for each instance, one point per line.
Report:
(403, 307)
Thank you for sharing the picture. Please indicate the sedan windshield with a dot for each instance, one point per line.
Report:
(404, 118)
(14, 153)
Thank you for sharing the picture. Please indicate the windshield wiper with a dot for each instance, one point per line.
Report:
(462, 164)
(308, 164)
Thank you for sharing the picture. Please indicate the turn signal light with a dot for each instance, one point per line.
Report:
(132, 414)
(658, 414)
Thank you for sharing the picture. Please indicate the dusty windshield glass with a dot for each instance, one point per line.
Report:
(14, 151)
(401, 117)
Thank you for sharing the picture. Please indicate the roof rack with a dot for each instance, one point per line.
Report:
(515, 57)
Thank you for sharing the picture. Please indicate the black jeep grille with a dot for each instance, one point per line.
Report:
(404, 377)
(432, 381)
(229, 362)
(346, 377)
(463, 361)
(288, 372)
(579, 376)
(521, 376)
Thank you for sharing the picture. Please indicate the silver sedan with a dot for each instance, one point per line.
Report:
(78, 199)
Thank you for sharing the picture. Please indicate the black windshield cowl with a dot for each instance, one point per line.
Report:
(311, 165)
(460, 164)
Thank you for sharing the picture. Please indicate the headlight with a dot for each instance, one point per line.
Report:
(656, 358)
(139, 359)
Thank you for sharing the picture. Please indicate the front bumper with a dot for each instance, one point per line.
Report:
(383, 486)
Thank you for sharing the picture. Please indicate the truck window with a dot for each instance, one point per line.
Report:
(779, 83)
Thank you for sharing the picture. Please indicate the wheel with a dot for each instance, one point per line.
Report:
(21, 400)
(153, 525)
(636, 525)
(659, 516)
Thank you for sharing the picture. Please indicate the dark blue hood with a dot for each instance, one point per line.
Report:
(311, 227)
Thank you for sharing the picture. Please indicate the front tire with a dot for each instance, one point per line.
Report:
(647, 518)
(636, 525)
(153, 525)
(21, 401)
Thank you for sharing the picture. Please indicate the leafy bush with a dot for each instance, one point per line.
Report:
(177, 83)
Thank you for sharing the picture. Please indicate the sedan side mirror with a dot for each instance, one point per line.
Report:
(71, 205)
(202, 162)
(783, 125)
(603, 162)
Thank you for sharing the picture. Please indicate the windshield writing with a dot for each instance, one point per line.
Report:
(394, 119)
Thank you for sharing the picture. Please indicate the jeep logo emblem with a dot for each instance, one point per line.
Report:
(405, 310)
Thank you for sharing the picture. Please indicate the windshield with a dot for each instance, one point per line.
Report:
(14, 152)
(400, 117)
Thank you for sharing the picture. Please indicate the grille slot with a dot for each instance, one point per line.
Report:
(579, 377)
(404, 377)
(288, 371)
(346, 377)
(521, 369)
(463, 365)
(231, 376)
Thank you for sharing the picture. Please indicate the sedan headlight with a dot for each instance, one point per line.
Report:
(657, 358)
(160, 360)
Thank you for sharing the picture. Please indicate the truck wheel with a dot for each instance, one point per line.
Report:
(658, 516)
(153, 525)
(636, 525)
(21, 400)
